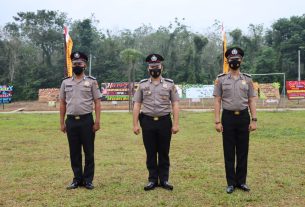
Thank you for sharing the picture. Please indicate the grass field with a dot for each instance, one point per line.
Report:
(35, 166)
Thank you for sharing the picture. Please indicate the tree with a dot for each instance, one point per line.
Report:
(199, 43)
(265, 63)
(236, 34)
(131, 57)
(44, 29)
(286, 37)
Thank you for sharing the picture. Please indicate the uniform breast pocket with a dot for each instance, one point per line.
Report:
(227, 90)
(164, 95)
(244, 90)
(244, 87)
(86, 92)
(147, 95)
(68, 91)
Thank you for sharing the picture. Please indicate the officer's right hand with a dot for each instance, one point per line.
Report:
(63, 128)
(136, 130)
(219, 127)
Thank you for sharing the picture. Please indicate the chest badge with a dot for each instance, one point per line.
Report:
(164, 85)
(243, 82)
(87, 84)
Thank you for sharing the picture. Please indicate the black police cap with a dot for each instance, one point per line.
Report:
(234, 52)
(79, 56)
(154, 58)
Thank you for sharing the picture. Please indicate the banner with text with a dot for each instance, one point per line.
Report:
(295, 89)
(197, 91)
(6, 93)
(269, 92)
(117, 91)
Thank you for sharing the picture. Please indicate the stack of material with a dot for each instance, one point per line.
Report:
(48, 94)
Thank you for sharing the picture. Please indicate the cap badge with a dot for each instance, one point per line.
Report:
(154, 58)
(76, 55)
(234, 52)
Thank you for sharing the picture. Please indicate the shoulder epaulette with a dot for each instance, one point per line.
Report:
(66, 78)
(91, 77)
(169, 80)
(220, 75)
(248, 75)
(144, 80)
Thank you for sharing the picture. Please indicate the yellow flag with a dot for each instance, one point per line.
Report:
(68, 51)
(224, 45)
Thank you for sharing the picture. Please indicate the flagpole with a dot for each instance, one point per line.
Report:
(65, 53)
(223, 48)
(223, 56)
(90, 59)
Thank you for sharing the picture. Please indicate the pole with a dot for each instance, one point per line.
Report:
(65, 54)
(133, 83)
(129, 87)
(284, 85)
(299, 65)
(90, 59)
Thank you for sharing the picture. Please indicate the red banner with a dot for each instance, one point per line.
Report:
(295, 89)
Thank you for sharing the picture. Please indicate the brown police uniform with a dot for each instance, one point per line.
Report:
(79, 96)
(156, 124)
(235, 119)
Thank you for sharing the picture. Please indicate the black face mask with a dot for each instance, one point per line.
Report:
(155, 73)
(78, 70)
(234, 64)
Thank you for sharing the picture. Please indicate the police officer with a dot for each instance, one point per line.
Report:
(235, 93)
(158, 97)
(77, 95)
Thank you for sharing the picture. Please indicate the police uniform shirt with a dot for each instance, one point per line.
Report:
(156, 99)
(234, 93)
(79, 94)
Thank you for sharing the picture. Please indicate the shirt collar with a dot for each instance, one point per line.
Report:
(84, 78)
(161, 81)
(241, 76)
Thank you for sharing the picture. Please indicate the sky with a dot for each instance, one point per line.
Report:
(199, 15)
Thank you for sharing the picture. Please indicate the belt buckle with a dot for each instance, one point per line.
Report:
(236, 113)
(156, 118)
(77, 117)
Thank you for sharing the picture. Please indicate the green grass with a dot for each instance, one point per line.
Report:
(35, 166)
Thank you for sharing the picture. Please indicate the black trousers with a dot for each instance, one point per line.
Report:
(236, 145)
(80, 135)
(156, 137)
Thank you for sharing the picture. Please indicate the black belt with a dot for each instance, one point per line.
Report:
(156, 118)
(236, 113)
(77, 117)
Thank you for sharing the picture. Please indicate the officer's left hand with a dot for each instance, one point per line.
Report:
(96, 126)
(175, 129)
(252, 126)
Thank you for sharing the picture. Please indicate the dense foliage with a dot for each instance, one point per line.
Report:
(32, 50)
